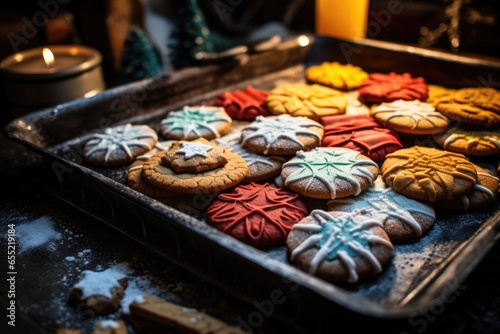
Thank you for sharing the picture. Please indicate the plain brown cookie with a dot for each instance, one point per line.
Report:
(210, 181)
(281, 135)
(339, 246)
(329, 172)
(119, 145)
(478, 106)
(429, 174)
(484, 193)
(308, 100)
(404, 219)
(470, 141)
(153, 315)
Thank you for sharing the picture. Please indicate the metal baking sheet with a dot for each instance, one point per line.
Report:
(421, 274)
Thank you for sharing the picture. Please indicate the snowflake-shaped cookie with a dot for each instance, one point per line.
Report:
(343, 238)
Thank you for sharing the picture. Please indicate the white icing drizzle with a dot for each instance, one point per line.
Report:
(193, 120)
(271, 129)
(193, 149)
(340, 238)
(121, 137)
(233, 144)
(416, 110)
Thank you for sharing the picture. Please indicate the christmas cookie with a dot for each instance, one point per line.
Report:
(190, 123)
(429, 174)
(404, 219)
(245, 104)
(119, 145)
(313, 101)
(478, 106)
(281, 135)
(328, 172)
(360, 133)
(436, 93)
(150, 314)
(336, 75)
(484, 193)
(260, 167)
(159, 173)
(257, 214)
(380, 88)
(339, 247)
(470, 141)
(410, 117)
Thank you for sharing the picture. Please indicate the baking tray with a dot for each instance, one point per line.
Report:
(422, 275)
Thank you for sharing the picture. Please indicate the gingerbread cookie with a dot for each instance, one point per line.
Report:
(360, 133)
(380, 88)
(119, 145)
(260, 167)
(484, 193)
(410, 117)
(329, 172)
(194, 156)
(150, 314)
(478, 106)
(470, 141)
(222, 177)
(339, 246)
(336, 75)
(404, 219)
(245, 104)
(429, 174)
(313, 101)
(196, 122)
(281, 135)
(257, 214)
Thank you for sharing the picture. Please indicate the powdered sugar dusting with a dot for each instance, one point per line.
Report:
(36, 233)
(109, 324)
(102, 282)
(136, 289)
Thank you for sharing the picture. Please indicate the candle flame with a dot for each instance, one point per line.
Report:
(48, 57)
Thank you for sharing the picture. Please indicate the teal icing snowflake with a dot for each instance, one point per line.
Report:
(340, 238)
(327, 165)
(192, 120)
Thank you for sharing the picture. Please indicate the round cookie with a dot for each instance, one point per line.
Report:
(469, 141)
(436, 93)
(245, 104)
(478, 106)
(484, 193)
(281, 135)
(360, 133)
(313, 101)
(336, 75)
(257, 214)
(119, 145)
(404, 219)
(410, 117)
(194, 156)
(428, 174)
(329, 172)
(339, 246)
(380, 88)
(210, 181)
(190, 123)
(260, 167)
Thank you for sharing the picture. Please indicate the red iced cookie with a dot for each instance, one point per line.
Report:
(243, 104)
(257, 214)
(360, 133)
(380, 88)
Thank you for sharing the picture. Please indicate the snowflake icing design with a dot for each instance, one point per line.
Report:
(340, 238)
(415, 110)
(192, 120)
(120, 137)
(327, 165)
(191, 150)
(281, 127)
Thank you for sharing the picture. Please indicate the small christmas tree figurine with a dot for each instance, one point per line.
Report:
(140, 58)
(191, 35)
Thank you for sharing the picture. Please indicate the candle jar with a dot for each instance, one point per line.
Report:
(30, 82)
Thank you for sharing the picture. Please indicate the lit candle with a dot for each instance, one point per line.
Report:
(46, 76)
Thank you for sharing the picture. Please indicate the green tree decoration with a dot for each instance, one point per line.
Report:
(140, 58)
(190, 35)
